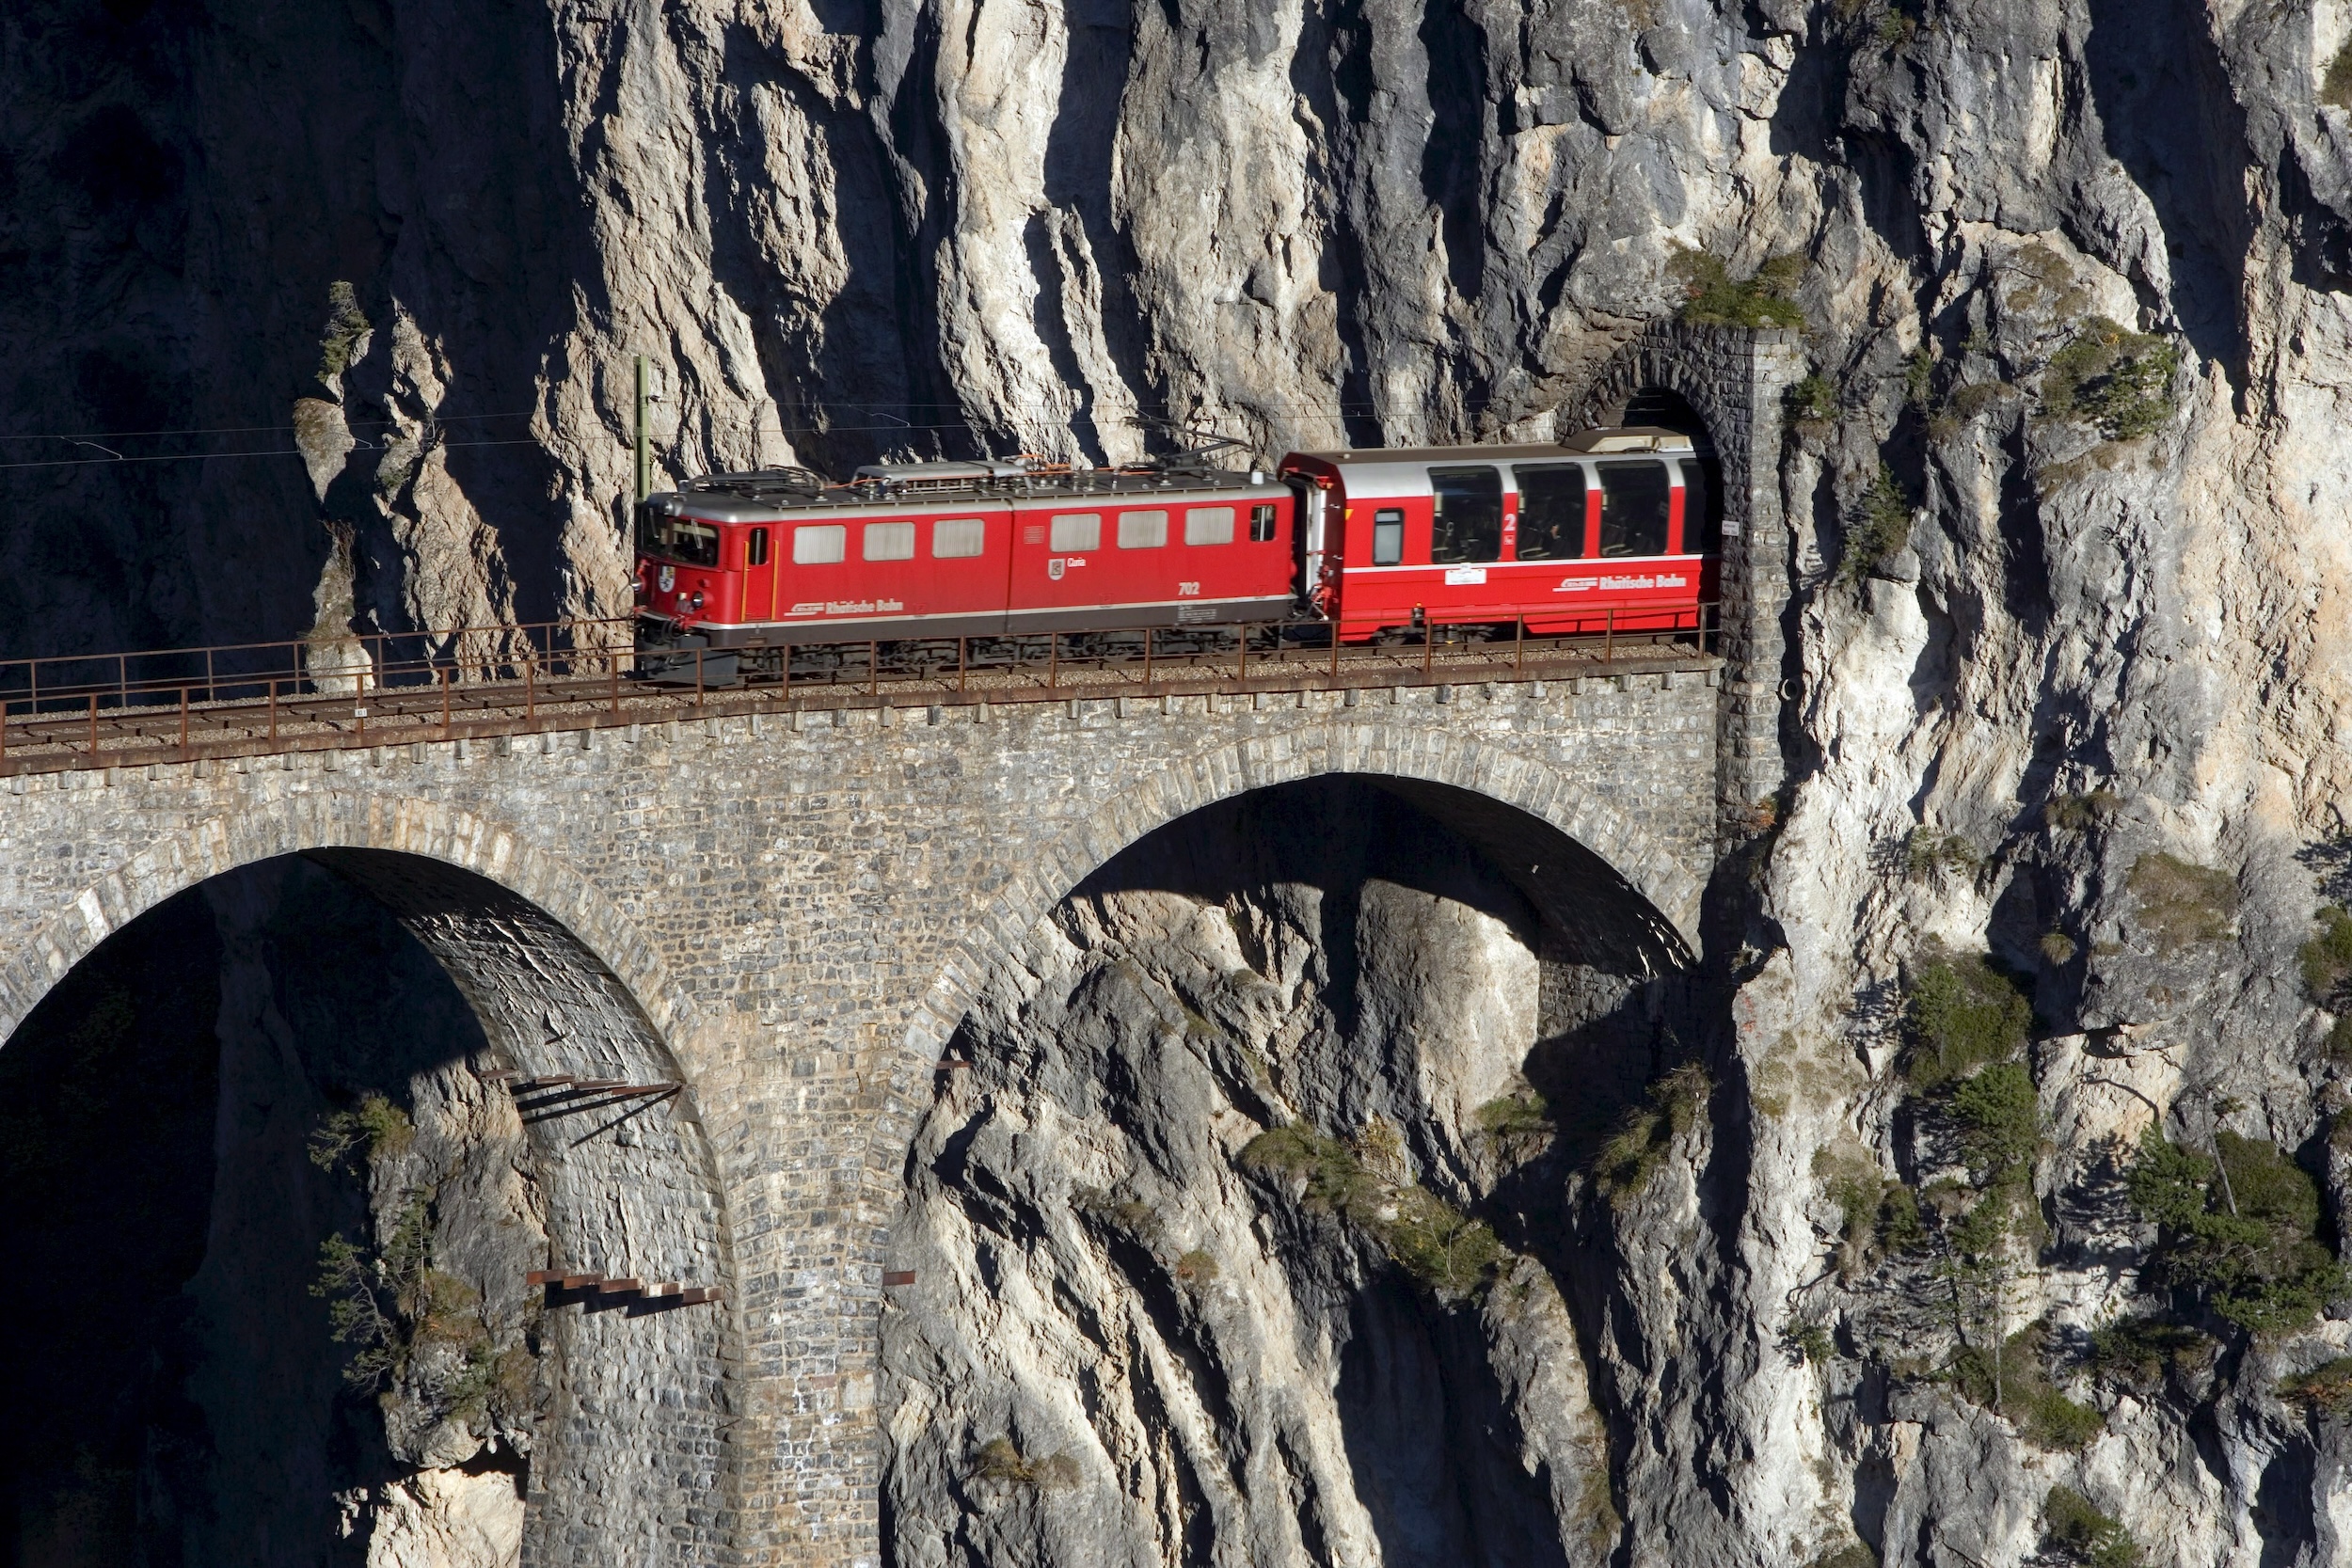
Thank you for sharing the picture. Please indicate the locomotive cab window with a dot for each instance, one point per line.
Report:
(1261, 523)
(1465, 523)
(678, 539)
(1551, 510)
(1634, 505)
(1208, 525)
(890, 540)
(1076, 531)
(957, 538)
(1388, 536)
(755, 547)
(820, 544)
(1142, 530)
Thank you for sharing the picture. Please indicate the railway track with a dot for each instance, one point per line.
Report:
(80, 714)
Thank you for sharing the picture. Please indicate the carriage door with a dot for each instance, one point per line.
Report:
(760, 579)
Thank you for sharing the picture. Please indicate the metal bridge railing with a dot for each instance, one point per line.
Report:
(86, 711)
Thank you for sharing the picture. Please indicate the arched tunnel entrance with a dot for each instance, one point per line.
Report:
(282, 1159)
(1261, 1212)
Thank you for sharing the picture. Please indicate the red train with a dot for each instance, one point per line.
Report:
(1614, 529)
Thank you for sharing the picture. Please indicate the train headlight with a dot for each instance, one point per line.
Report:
(698, 601)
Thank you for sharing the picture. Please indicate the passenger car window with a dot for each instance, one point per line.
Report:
(890, 540)
(1388, 536)
(1551, 510)
(755, 547)
(820, 544)
(1465, 523)
(1633, 503)
(1142, 530)
(955, 538)
(1208, 525)
(1077, 531)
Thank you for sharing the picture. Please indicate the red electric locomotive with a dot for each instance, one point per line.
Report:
(1610, 530)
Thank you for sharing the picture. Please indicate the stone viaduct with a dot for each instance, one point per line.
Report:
(791, 912)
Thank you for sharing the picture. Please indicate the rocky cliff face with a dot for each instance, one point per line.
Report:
(2067, 568)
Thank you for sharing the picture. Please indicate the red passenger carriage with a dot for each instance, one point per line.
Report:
(1609, 531)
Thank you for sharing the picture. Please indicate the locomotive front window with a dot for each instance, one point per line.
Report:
(1634, 505)
(889, 541)
(1142, 530)
(1208, 525)
(820, 544)
(956, 538)
(1467, 522)
(1262, 524)
(678, 538)
(1551, 510)
(755, 547)
(1388, 536)
(1076, 531)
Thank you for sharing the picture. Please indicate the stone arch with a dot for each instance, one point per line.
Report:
(637, 1446)
(1484, 792)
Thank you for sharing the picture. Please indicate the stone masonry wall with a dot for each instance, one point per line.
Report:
(797, 912)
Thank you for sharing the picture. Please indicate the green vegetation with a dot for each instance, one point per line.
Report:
(1811, 1340)
(2139, 1352)
(1927, 851)
(2325, 1390)
(2179, 903)
(2076, 814)
(2015, 1384)
(383, 1128)
(1961, 405)
(2057, 948)
(2084, 1535)
(2335, 88)
(2116, 379)
(2242, 1233)
(1515, 1118)
(391, 1303)
(1131, 1216)
(1878, 528)
(1920, 376)
(1638, 1147)
(1768, 299)
(1854, 1554)
(1959, 1013)
(1813, 401)
(1197, 1267)
(999, 1460)
(345, 326)
(1878, 1214)
(2327, 960)
(1445, 1249)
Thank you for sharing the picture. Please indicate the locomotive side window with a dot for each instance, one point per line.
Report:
(890, 540)
(1142, 530)
(1467, 524)
(1262, 524)
(681, 539)
(1634, 503)
(1208, 525)
(1388, 536)
(1076, 531)
(755, 547)
(820, 544)
(956, 538)
(1551, 510)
